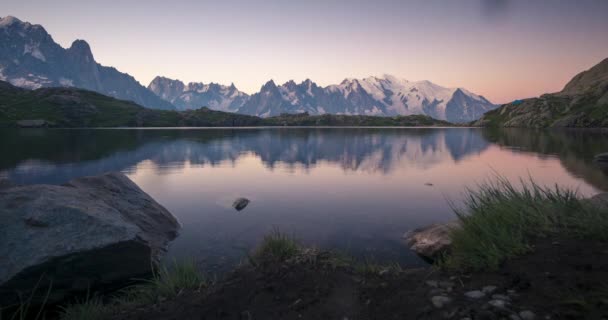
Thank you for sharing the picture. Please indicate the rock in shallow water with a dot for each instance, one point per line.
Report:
(432, 241)
(91, 232)
(602, 157)
(240, 203)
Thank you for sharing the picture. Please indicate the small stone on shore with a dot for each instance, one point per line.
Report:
(500, 297)
(527, 315)
(440, 301)
(488, 289)
(475, 294)
(500, 304)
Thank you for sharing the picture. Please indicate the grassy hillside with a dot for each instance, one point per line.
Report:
(582, 103)
(71, 108)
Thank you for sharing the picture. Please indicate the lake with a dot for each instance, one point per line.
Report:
(356, 190)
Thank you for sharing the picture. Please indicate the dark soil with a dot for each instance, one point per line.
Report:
(559, 279)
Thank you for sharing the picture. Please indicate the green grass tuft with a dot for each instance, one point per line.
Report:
(277, 246)
(166, 283)
(500, 221)
(169, 282)
(89, 309)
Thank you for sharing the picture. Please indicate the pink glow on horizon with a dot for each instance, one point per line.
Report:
(502, 49)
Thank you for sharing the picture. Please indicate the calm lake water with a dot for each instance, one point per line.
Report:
(352, 189)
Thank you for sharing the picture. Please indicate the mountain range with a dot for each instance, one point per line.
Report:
(195, 95)
(66, 107)
(30, 58)
(375, 96)
(582, 103)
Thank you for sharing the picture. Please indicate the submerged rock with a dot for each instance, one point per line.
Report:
(36, 123)
(91, 232)
(240, 203)
(431, 241)
(602, 158)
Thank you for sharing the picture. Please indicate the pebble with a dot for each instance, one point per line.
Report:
(446, 284)
(514, 317)
(476, 294)
(440, 301)
(500, 304)
(527, 315)
(488, 289)
(500, 297)
(432, 283)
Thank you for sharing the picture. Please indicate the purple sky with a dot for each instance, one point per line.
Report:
(503, 49)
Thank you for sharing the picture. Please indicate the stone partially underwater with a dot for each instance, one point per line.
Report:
(90, 233)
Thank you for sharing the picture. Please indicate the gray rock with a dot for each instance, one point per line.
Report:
(240, 203)
(91, 232)
(500, 297)
(432, 241)
(500, 304)
(602, 157)
(440, 301)
(488, 289)
(527, 315)
(475, 294)
(432, 283)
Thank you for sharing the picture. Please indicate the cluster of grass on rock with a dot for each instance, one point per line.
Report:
(500, 221)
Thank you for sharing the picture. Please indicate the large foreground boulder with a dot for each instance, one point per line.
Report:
(93, 232)
(432, 241)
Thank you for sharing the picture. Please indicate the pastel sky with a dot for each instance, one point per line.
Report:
(502, 49)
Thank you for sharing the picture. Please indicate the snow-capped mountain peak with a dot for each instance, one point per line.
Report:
(30, 58)
(8, 21)
(386, 95)
(197, 94)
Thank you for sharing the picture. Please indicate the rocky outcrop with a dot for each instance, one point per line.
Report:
(432, 241)
(89, 233)
(582, 103)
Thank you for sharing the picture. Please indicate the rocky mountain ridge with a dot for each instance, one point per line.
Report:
(582, 103)
(30, 58)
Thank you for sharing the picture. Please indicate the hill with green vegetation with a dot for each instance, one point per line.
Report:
(77, 108)
(582, 103)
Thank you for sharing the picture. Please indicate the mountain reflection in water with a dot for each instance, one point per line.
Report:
(354, 189)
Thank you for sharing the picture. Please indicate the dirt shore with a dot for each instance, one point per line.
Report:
(561, 278)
